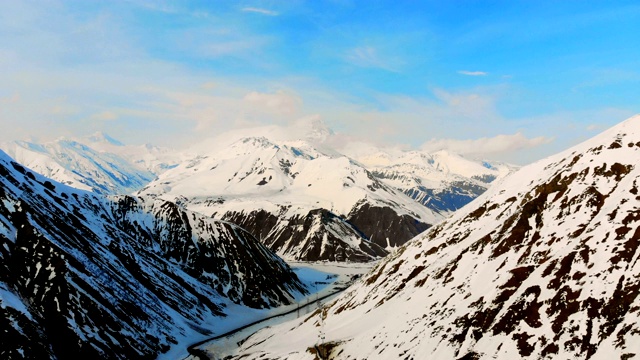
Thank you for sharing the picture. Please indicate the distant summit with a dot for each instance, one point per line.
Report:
(98, 163)
(100, 137)
(316, 129)
(309, 202)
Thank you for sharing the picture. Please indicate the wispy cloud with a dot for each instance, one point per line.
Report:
(279, 102)
(471, 105)
(209, 85)
(260, 11)
(369, 56)
(104, 116)
(408, 120)
(14, 98)
(486, 145)
(473, 73)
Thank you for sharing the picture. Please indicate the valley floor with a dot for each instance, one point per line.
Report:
(321, 278)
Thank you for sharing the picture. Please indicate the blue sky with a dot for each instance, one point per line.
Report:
(506, 80)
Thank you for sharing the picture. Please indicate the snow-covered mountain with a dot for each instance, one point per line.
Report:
(98, 163)
(147, 157)
(542, 265)
(86, 276)
(278, 187)
(304, 201)
(441, 181)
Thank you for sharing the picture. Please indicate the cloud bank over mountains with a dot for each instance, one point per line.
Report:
(497, 145)
(171, 73)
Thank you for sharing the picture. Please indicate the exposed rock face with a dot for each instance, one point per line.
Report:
(444, 198)
(239, 174)
(85, 276)
(450, 199)
(544, 265)
(384, 226)
(225, 256)
(317, 236)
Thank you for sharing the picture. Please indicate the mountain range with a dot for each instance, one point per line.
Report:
(97, 163)
(309, 201)
(294, 189)
(542, 265)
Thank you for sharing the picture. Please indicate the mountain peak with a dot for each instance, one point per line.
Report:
(101, 137)
(628, 128)
(315, 128)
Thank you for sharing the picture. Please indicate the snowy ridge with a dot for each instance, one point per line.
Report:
(147, 157)
(543, 265)
(82, 275)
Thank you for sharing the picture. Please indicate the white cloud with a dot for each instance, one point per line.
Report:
(473, 73)
(280, 102)
(260, 11)
(410, 121)
(104, 116)
(209, 85)
(468, 104)
(12, 99)
(499, 144)
(63, 108)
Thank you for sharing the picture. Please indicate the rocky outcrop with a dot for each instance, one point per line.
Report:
(384, 226)
(225, 256)
(317, 236)
(447, 200)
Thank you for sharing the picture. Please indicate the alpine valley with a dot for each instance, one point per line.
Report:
(542, 265)
(88, 276)
(89, 269)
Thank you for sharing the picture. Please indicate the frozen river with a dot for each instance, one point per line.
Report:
(324, 280)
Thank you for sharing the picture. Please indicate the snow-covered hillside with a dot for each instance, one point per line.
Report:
(86, 276)
(543, 265)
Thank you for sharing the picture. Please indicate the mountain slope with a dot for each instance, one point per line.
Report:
(271, 185)
(543, 265)
(84, 275)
